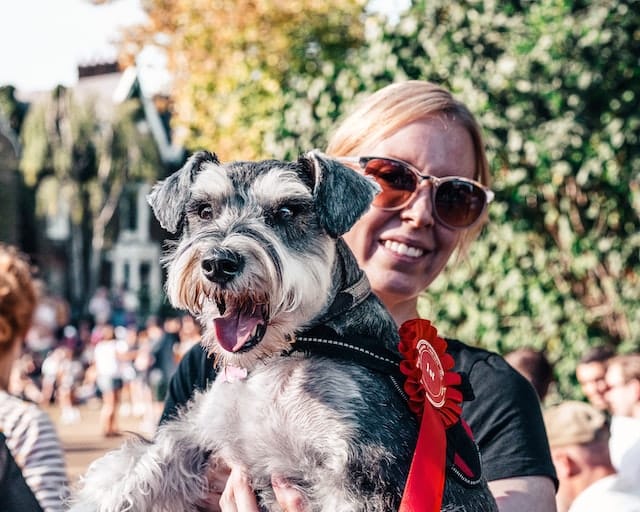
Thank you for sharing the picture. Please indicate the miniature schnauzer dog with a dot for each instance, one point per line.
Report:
(259, 260)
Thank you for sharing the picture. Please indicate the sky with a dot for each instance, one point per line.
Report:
(43, 41)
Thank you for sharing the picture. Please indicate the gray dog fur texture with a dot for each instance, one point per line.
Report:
(339, 432)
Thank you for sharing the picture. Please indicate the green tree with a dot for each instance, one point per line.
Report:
(80, 159)
(231, 58)
(555, 86)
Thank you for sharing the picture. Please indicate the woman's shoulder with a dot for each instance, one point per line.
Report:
(468, 357)
(30, 433)
(487, 370)
(32, 440)
(14, 410)
(19, 415)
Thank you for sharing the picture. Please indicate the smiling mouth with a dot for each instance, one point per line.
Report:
(403, 249)
(242, 323)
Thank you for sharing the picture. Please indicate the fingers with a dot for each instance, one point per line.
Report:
(288, 497)
(217, 476)
(238, 495)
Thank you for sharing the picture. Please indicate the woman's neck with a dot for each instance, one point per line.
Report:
(403, 311)
(6, 363)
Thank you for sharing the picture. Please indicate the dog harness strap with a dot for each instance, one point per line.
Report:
(325, 341)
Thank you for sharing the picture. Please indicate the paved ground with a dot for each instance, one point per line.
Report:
(83, 441)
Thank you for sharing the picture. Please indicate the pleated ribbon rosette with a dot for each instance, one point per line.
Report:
(434, 399)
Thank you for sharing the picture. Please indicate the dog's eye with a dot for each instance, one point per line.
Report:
(205, 212)
(285, 213)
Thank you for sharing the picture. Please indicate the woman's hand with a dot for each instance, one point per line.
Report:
(217, 478)
(238, 496)
(289, 498)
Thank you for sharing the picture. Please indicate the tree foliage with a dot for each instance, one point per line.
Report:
(78, 159)
(230, 58)
(555, 86)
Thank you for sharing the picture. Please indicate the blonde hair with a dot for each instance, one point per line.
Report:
(398, 105)
(18, 296)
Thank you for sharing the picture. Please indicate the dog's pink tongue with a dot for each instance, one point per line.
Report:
(235, 329)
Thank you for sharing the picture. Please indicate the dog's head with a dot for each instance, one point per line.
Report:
(256, 245)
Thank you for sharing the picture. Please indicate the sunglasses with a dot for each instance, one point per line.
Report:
(458, 202)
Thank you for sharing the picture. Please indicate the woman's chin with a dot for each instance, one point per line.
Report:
(392, 286)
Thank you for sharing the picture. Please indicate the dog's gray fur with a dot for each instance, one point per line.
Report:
(260, 243)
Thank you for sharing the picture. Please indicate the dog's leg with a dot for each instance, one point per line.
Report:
(165, 475)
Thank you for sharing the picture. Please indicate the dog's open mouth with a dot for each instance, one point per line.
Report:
(241, 324)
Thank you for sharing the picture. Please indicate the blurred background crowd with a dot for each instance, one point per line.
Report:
(113, 357)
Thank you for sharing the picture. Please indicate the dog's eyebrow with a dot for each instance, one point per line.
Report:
(279, 183)
(212, 181)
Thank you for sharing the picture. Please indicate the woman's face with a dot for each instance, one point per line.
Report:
(403, 251)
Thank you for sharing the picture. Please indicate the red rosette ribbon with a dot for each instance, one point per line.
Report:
(430, 385)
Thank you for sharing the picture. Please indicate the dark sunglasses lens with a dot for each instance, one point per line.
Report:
(459, 203)
(397, 182)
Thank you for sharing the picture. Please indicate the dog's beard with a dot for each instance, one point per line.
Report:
(256, 314)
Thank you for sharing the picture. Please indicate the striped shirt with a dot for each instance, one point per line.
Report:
(34, 445)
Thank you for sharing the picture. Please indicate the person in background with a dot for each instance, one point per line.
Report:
(426, 151)
(100, 306)
(50, 372)
(579, 438)
(534, 366)
(142, 364)
(189, 335)
(164, 359)
(127, 338)
(106, 360)
(590, 373)
(623, 399)
(70, 374)
(22, 382)
(29, 435)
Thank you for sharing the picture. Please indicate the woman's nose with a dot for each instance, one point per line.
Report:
(419, 211)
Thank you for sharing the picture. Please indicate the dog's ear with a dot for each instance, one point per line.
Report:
(169, 197)
(341, 194)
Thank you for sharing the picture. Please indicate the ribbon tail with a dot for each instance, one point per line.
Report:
(425, 482)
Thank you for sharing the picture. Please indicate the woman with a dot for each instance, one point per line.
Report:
(412, 137)
(28, 432)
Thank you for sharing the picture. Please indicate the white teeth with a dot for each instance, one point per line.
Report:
(403, 249)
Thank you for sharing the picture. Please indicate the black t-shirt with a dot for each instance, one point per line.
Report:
(194, 373)
(506, 418)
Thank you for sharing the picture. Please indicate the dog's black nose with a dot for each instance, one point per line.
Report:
(222, 265)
